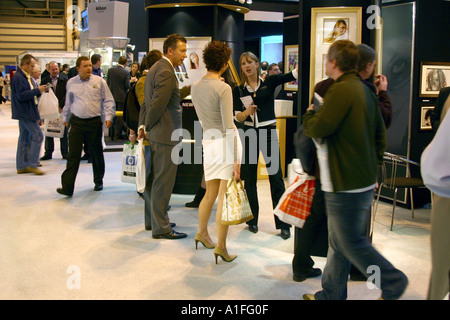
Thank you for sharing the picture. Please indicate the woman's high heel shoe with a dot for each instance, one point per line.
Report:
(225, 257)
(199, 238)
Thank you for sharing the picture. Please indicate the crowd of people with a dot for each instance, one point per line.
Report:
(349, 132)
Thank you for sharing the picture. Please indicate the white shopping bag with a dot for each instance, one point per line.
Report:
(140, 167)
(48, 106)
(54, 128)
(129, 162)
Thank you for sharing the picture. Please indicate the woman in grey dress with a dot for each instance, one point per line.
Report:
(213, 101)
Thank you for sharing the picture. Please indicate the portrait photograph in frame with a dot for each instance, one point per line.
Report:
(425, 117)
(433, 77)
(335, 29)
(193, 67)
(233, 74)
(328, 25)
(290, 62)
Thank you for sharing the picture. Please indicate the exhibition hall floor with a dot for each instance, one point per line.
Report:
(94, 245)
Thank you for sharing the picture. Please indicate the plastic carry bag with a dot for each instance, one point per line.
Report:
(294, 206)
(129, 163)
(236, 208)
(141, 172)
(48, 106)
(54, 128)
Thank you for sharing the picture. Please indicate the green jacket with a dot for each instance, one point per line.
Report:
(350, 123)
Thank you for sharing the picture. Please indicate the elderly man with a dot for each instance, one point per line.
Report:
(88, 101)
(24, 108)
(58, 85)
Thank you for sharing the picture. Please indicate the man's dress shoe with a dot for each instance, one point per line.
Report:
(172, 235)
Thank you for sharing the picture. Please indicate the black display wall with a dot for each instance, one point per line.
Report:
(431, 44)
(137, 26)
(208, 21)
(212, 21)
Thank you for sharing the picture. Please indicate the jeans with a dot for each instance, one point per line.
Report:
(349, 244)
(29, 144)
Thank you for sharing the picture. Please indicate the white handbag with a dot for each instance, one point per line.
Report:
(236, 208)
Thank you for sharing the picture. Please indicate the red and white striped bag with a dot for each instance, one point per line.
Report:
(295, 204)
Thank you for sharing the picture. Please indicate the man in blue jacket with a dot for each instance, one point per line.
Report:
(24, 108)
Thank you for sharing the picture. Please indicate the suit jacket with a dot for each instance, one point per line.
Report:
(72, 72)
(118, 79)
(60, 90)
(161, 113)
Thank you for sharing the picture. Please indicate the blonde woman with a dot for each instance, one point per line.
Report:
(213, 101)
(260, 122)
(339, 32)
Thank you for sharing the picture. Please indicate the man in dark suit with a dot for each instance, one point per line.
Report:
(161, 115)
(46, 72)
(118, 79)
(58, 85)
(441, 101)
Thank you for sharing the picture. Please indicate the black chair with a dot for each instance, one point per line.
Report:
(392, 179)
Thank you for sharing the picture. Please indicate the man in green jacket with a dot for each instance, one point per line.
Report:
(350, 140)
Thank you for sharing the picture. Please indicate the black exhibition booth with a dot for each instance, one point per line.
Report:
(407, 38)
(404, 34)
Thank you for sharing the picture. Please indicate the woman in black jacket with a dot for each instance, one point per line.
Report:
(256, 111)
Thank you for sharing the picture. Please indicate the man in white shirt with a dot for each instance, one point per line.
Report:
(89, 103)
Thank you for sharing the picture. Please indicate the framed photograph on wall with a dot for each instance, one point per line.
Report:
(193, 67)
(425, 117)
(290, 63)
(433, 77)
(328, 25)
(233, 73)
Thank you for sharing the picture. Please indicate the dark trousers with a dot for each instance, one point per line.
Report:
(266, 142)
(158, 187)
(81, 129)
(309, 235)
(306, 239)
(2, 98)
(50, 145)
(119, 125)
